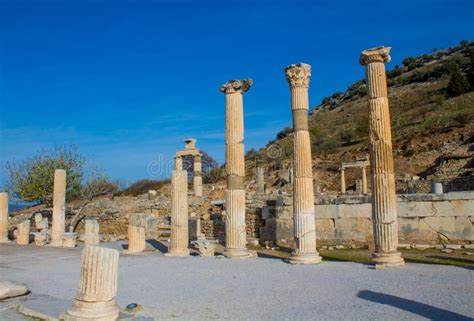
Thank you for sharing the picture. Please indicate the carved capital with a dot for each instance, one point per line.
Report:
(378, 54)
(298, 74)
(233, 86)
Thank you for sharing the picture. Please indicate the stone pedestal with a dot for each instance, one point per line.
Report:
(4, 218)
(298, 76)
(23, 235)
(236, 239)
(179, 214)
(136, 233)
(197, 176)
(59, 207)
(91, 232)
(95, 299)
(260, 180)
(41, 238)
(69, 239)
(384, 200)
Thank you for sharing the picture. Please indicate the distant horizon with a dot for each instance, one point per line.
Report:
(127, 82)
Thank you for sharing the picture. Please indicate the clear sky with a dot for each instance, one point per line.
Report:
(127, 81)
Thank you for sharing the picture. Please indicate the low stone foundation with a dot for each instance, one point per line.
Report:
(422, 218)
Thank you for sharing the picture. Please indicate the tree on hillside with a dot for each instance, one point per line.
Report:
(470, 72)
(458, 84)
(32, 179)
(210, 167)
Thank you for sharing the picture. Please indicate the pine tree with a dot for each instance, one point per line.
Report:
(458, 84)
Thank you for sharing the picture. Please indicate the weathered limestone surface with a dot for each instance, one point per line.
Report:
(41, 238)
(298, 76)
(384, 201)
(69, 239)
(59, 207)
(41, 222)
(205, 247)
(136, 233)
(4, 217)
(179, 214)
(10, 289)
(95, 299)
(23, 236)
(260, 180)
(91, 232)
(197, 175)
(236, 239)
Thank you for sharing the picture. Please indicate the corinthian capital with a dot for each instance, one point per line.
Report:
(378, 54)
(233, 86)
(298, 74)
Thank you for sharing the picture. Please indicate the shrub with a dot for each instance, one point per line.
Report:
(283, 133)
(96, 184)
(143, 186)
(458, 84)
(32, 180)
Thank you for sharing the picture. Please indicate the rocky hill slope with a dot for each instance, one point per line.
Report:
(433, 135)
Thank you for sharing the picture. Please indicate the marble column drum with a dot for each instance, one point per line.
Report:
(136, 233)
(91, 233)
(95, 299)
(197, 175)
(23, 233)
(4, 218)
(236, 238)
(384, 200)
(179, 239)
(59, 207)
(298, 77)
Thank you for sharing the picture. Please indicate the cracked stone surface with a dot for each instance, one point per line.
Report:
(199, 288)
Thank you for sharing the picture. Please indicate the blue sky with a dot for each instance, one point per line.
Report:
(127, 81)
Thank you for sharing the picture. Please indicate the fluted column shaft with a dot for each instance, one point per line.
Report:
(91, 232)
(95, 299)
(136, 233)
(59, 207)
(179, 163)
(260, 180)
(197, 176)
(298, 76)
(236, 239)
(4, 218)
(179, 214)
(384, 200)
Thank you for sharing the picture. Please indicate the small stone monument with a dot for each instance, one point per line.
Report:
(41, 238)
(69, 239)
(205, 247)
(23, 236)
(136, 233)
(91, 232)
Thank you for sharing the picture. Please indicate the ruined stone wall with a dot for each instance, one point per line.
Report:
(426, 218)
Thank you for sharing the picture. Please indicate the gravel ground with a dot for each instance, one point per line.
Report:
(198, 288)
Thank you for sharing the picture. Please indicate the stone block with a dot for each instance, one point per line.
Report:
(10, 289)
(325, 229)
(352, 228)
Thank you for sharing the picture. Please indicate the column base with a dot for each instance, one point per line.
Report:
(55, 243)
(237, 253)
(92, 311)
(388, 259)
(180, 253)
(302, 258)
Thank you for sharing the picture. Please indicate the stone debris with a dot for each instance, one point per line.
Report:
(453, 246)
(69, 239)
(422, 246)
(10, 289)
(41, 238)
(447, 251)
(205, 247)
(404, 246)
(469, 246)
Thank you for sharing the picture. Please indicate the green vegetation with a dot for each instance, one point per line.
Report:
(458, 84)
(32, 180)
(143, 186)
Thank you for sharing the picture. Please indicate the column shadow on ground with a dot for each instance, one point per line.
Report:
(422, 309)
(163, 248)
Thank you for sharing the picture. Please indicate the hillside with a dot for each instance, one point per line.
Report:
(433, 136)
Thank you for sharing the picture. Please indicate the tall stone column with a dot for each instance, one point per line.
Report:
(298, 76)
(364, 181)
(235, 234)
(384, 200)
(4, 218)
(95, 299)
(343, 181)
(59, 207)
(91, 232)
(23, 233)
(179, 214)
(179, 162)
(197, 175)
(136, 233)
(260, 180)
